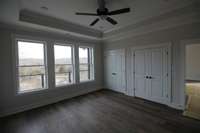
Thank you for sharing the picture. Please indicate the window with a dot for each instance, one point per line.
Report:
(64, 70)
(86, 65)
(31, 66)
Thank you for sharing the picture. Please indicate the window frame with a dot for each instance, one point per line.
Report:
(73, 63)
(17, 83)
(90, 61)
(49, 62)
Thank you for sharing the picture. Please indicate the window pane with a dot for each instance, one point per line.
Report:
(84, 75)
(83, 55)
(85, 63)
(64, 74)
(30, 53)
(62, 54)
(31, 70)
(63, 68)
(28, 83)
(83, 67)
(63, 78)
(31, 66)
(63, 65)
(84, 72)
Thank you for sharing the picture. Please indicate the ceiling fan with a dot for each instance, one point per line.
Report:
(104, 13)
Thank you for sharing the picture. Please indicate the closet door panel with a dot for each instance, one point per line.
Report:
(148, 72)
(120, 72)
(156, 75)
(152, 74)
(115, 70)
(108, 59)
(140, 73)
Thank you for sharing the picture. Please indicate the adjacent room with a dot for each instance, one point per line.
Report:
(192, 81)
(93, 66)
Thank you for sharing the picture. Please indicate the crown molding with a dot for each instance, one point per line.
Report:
(39, 19)
(182, 16)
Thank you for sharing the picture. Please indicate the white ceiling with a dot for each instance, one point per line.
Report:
(65, 10)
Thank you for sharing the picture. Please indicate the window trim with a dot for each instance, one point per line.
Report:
(16, 65)
(89, 63)
(73, 63)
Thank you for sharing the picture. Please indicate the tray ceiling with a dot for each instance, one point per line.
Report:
(65, 10)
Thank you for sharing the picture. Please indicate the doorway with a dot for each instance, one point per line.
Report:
(192, 80)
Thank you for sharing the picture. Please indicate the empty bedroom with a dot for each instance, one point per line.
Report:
(99, 66)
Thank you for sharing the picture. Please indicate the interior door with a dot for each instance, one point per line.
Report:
(140, 73)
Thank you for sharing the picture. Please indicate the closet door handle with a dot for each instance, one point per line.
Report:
(114, 73)
(150, 77)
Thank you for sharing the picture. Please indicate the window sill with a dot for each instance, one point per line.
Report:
(74, 84)
(31, 91)
(35, 91)
(86, 81)
(66, 85)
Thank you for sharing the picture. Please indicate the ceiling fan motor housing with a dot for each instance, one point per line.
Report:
(101, 12)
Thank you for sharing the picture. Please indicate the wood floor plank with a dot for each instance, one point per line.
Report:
(100, 112)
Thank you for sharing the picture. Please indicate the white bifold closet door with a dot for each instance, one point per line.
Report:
(115, 70)
(140, 73)
(151, 68)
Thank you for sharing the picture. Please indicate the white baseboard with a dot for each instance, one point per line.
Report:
(44, 102)
(176, 106)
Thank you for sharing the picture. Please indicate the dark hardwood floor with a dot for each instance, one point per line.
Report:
(100, 112)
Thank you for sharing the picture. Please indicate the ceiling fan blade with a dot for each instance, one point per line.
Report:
(94, 22)
(112, 21)
(101, 4)
(120, 11)
(88, 14)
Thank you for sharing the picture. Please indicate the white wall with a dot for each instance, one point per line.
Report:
(173, 27)
(193, 62)
(10, 102)
(172, 35)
